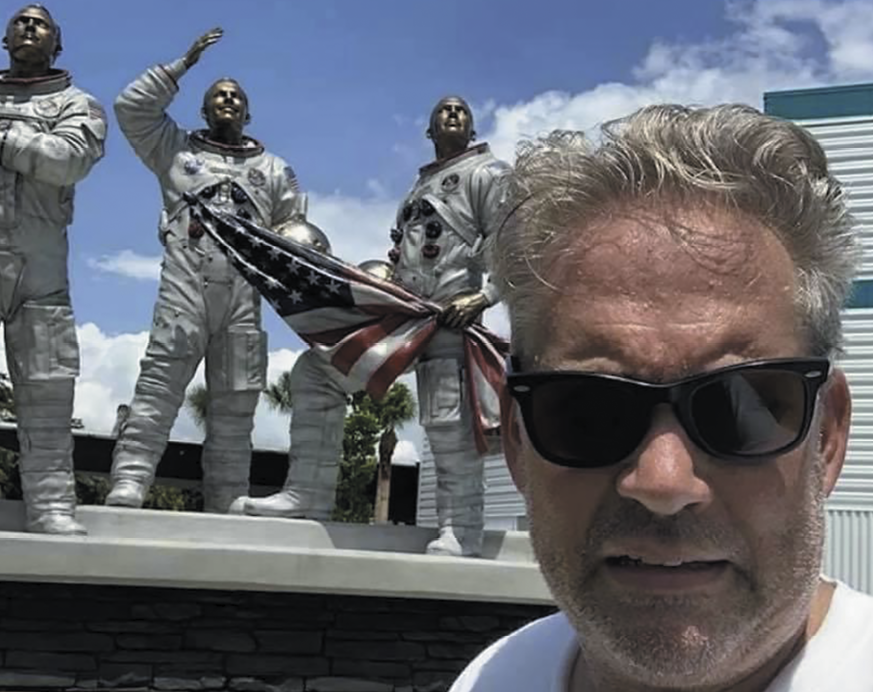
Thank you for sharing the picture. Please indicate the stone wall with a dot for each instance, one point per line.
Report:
(85, 637)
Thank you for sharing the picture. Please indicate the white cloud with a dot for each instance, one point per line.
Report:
(128, 263)
(771, 47)
(358, 228)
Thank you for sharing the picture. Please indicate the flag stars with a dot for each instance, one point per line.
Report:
(333, 287)
(313, 278)
(295, 297)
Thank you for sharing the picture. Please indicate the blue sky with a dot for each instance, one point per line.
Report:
(342, 88)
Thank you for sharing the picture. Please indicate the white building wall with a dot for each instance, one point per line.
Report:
(848, 143)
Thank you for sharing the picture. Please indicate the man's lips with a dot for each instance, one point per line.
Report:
(665, 569)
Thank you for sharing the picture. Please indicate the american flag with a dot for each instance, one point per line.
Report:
(370, 330)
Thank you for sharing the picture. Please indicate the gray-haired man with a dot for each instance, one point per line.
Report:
(672, 415)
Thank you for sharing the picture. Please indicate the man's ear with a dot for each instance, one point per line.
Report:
(510, 434)
(834, 434)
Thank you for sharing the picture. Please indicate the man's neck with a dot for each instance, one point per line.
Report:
(449, 150)
(231, 137)
(28, 70)
(589, 677)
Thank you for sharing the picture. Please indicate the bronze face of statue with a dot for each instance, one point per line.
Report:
(451, 127)
(33, 41)
(226, 111)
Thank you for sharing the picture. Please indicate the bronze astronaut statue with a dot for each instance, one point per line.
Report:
(205, 309)
(51, 135)
(439, 253)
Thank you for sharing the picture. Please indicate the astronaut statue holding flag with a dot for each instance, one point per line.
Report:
(204, 307)
(438, 254)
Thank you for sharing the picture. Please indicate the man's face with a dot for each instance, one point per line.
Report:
(30, 36)
(451, 122)
(659, 298)
(225, 106)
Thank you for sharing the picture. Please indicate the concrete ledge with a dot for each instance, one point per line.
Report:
(188, 550)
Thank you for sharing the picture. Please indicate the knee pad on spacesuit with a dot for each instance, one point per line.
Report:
(440, 392)
(241, 356)
(42, 345)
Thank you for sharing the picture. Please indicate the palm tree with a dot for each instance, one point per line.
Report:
(394, 409)
(279, 393)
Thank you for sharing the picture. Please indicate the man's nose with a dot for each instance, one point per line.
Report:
(663, 476)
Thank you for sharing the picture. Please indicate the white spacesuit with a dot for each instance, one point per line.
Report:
(51, 134)
(439, 254)
(204, 307)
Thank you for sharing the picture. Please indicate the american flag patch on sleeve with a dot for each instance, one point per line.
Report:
(95, 110)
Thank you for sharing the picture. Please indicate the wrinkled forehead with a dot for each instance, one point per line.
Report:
(660, 273)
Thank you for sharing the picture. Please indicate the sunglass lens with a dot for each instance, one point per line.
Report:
(750, 413)
(587, 422)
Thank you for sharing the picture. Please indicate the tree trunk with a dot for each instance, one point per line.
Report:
(387, 443)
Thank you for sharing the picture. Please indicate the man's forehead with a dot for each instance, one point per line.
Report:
(37, 12)
(453, 101)
(225, 84)
(702, 281)
(645, 244)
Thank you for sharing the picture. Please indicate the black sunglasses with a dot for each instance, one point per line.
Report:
(739, 413)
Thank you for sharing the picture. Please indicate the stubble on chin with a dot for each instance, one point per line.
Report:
(683, 641)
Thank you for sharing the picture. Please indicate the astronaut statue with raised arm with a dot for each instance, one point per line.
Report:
(51, 134)
(205, 309)
(438, 253)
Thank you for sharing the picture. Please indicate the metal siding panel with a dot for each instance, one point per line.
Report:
(855, 487)
(848, 555)
(848, 144)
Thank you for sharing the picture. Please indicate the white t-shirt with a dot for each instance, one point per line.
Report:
(539, 657)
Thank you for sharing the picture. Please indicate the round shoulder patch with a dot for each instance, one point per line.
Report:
(450, 182)
(256, 177)
(47, 108)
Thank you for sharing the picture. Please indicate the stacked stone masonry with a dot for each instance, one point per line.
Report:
(85, 637)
